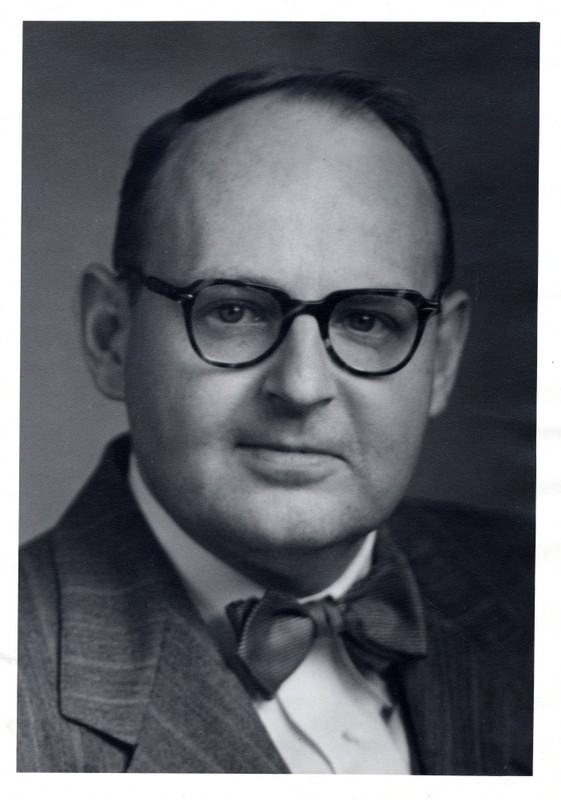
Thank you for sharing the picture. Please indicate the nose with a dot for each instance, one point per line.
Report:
(300, 374)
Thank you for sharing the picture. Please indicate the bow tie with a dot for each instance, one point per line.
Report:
(380, 622)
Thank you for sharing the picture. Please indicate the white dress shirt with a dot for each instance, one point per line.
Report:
(326, 717)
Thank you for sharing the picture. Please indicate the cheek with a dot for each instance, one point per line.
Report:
(155, 389)
(174, 399)
(390, 418)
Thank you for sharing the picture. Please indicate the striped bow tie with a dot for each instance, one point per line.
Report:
(380, 621)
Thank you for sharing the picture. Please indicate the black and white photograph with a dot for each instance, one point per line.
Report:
(278, 397)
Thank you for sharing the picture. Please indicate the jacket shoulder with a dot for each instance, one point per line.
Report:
(47, 740)
(485, 529)
(37, 654)
(37, 586)
(482, 548)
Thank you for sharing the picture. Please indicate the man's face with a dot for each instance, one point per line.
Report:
(295, 451)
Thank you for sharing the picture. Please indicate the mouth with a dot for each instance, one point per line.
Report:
(290, 464)
(294, 449)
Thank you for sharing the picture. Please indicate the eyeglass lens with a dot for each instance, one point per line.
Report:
(237, 324)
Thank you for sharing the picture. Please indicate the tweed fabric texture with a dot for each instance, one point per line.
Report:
(117, 672)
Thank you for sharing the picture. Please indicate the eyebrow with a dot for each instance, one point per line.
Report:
(246, 277)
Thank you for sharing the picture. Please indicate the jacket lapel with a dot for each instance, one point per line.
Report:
(137, 664)
(199, 718)
(440, 703)
(463, 700)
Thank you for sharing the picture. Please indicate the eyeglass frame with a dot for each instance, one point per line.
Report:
(291, 308)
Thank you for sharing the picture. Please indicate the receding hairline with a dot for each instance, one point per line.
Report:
(190, 136)
(191, 147)
(353, 94)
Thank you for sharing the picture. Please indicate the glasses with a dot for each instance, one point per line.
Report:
(234, 324)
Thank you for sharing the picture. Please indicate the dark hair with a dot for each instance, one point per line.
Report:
(350, 91)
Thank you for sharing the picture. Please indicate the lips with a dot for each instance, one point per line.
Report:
(290, 464)
(294, 448)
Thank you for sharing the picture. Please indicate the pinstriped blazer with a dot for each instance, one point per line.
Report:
(118, 673)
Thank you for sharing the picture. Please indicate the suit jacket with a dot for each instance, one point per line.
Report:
(117, 672)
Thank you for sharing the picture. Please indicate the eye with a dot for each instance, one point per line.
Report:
(366, 321)
(231, 312)
(363, 321)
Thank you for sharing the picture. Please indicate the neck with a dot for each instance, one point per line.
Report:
(297, 572)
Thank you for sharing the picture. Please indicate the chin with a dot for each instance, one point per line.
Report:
(305, 525)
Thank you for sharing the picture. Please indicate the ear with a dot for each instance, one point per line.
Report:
(105, 312)
(453, 326)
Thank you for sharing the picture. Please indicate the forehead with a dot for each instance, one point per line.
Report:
(317, 188)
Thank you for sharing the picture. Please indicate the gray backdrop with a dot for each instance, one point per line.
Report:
(89, 88)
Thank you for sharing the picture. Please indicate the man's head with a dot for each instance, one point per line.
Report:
(293, 456)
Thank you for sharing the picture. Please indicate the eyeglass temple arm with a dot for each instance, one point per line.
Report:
(156, 285)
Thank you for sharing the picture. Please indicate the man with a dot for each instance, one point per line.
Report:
(237, 589)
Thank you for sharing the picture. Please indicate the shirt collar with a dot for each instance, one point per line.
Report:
(211, 582)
